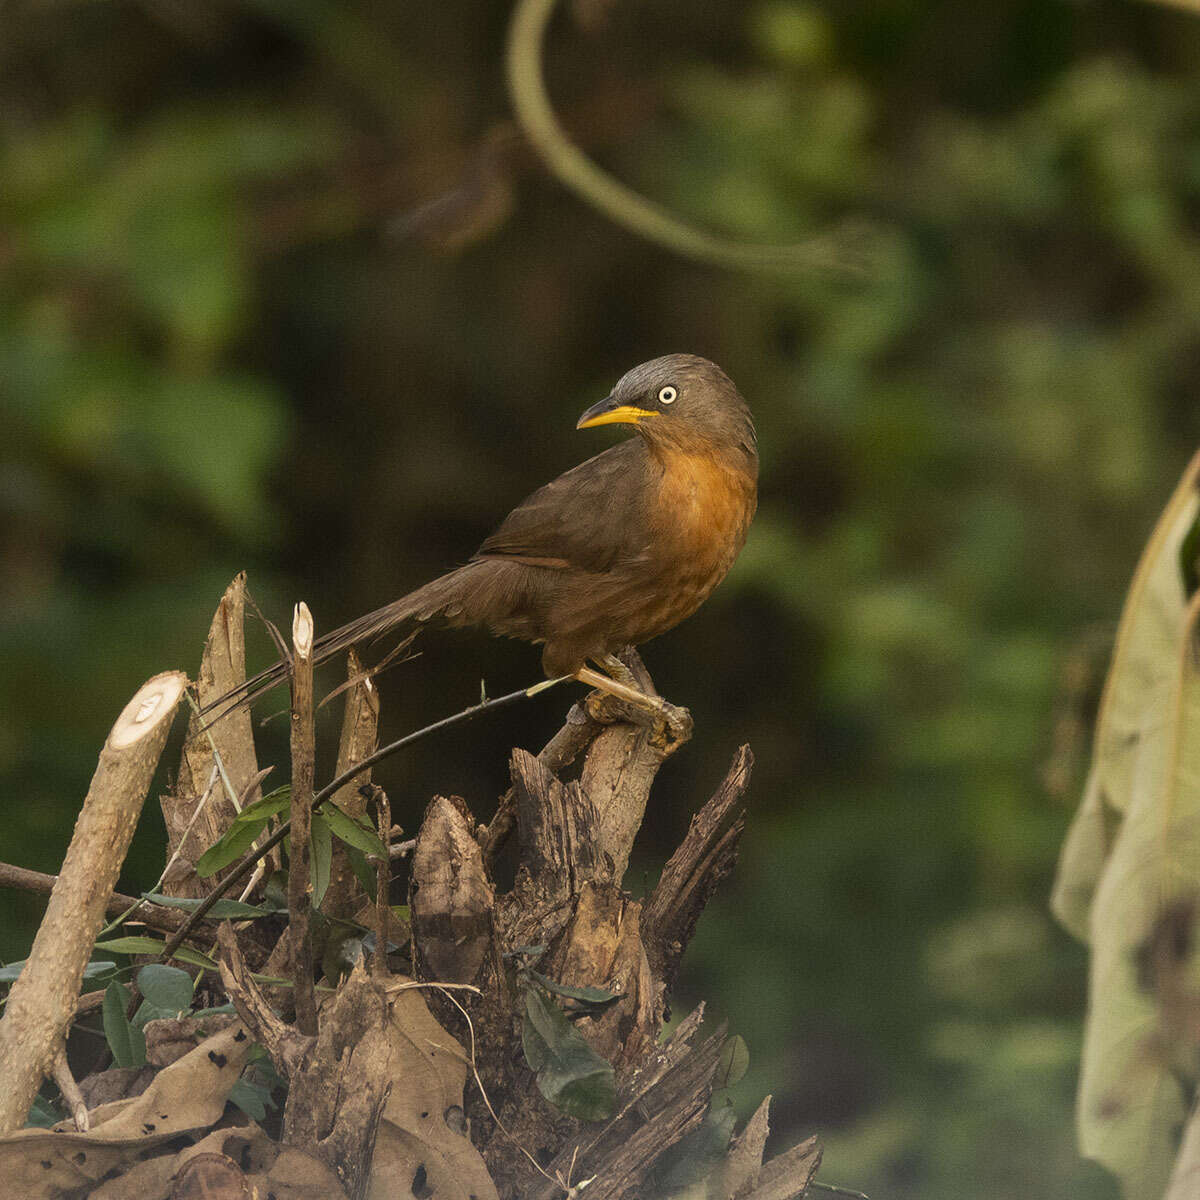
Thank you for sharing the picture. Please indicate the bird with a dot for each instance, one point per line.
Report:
(613, 552)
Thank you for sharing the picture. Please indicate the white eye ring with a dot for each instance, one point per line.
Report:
(667, 395)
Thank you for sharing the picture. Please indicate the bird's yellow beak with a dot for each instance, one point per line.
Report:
(609, 412)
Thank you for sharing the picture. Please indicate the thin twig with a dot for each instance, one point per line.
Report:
(383, 878)
(303, 769)
(230, 791)
(61, 1074)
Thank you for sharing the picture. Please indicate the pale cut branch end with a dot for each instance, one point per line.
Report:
(154, 701)
(302, 631)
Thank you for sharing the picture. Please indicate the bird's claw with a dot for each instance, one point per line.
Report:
(669, 725)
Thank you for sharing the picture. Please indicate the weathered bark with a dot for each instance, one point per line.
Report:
(450, 895)
(41, 1004)
(575, 838)
(338, 1091)
(359, 740)
(214, 759)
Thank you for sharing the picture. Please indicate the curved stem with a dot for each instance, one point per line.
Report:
(575, 170)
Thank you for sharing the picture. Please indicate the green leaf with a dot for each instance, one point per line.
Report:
(149, 945)
(223, 910)
(346, 829)
(166, 987)
(197, 958)
(252, 1097)
(243, 831)
(42, 1114)
(230, 846)
(570, 1074)
(321, 855)
(217, 1010)
(343, 951)
(275, 892)
(127, 1043)
(271, 805)
(362, 869)
(9, 973)
(592, 997)
(131, 945)
(734, 1062)
(530, 952)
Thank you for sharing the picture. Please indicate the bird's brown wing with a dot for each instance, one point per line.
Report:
(581, 519)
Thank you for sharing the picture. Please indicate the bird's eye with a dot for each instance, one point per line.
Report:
(667, 395)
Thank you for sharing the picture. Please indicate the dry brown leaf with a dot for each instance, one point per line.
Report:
(190, 1094)
(421, 1135)
(168, 1039)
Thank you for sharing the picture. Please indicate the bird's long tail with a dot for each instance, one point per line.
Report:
(443, 597)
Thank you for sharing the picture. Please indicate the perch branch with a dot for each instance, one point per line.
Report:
(41, 1004)
(578, 732)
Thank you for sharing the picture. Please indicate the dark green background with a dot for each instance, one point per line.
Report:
(279, 290)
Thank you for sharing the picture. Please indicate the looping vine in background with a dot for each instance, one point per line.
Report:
(844, 250)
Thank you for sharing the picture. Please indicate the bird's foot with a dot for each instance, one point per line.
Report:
(623, 673)
(672, 724)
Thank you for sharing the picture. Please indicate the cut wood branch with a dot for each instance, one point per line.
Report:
(286, 1046)
(165, 920)
(197, 814)
(41, 1004)
(303, 773)
(577, 734)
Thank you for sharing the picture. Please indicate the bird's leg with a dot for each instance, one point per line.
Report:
(620, 672)
(621, 682)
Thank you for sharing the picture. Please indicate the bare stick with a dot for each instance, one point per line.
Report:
(165, 920)
(303, 770)
(41, 1004)
(383, 877)
(71, 1094)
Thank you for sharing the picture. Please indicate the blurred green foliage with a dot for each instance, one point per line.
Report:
(280, 290)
